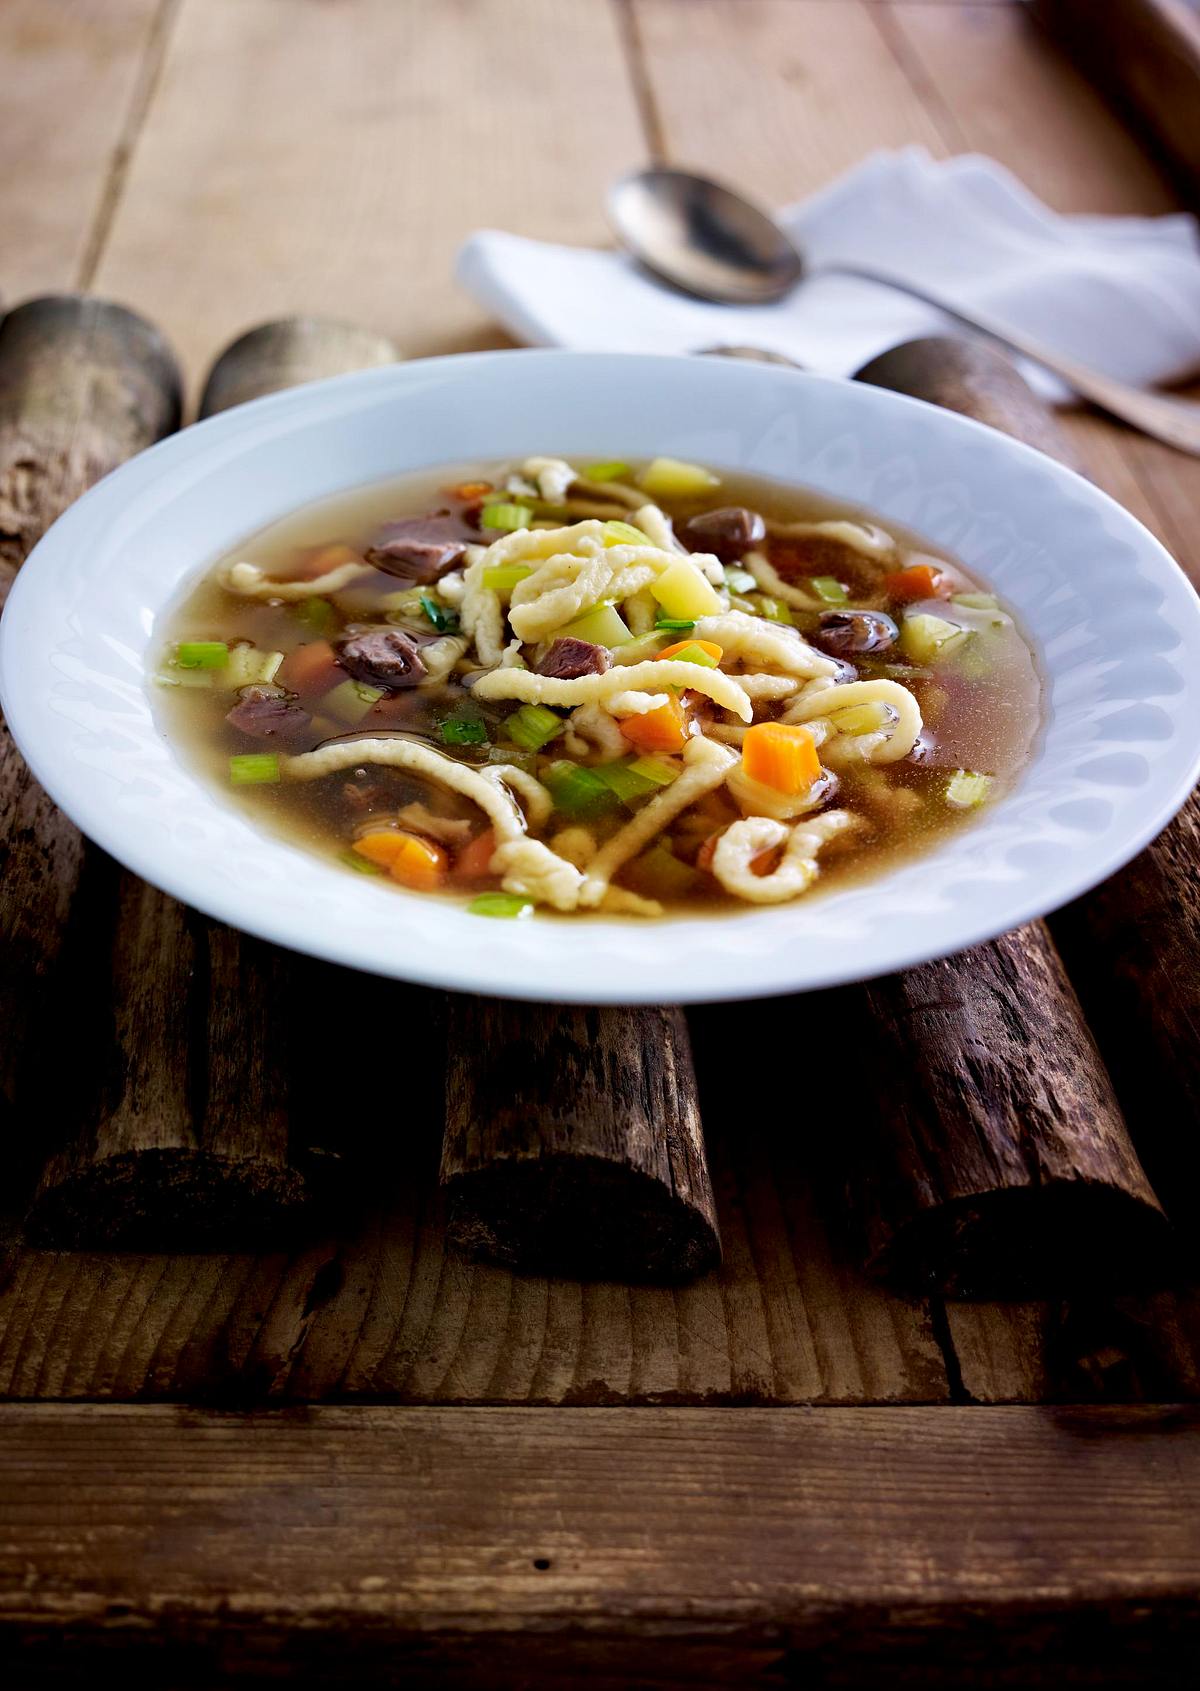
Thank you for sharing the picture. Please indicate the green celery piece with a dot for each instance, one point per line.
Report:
(607, 472)
(577, 790)
(695, 653)
(976, 601)
(254, 769)
(622, 779)
(660, 770)
(506, 904)
(829, 589)
(739, 581)
(658, 873)
(603, 625)
(502, 578)
(773, 610)
(202, 654)
(618, 533)
(533, 726)
(363, 865)
(317, 614)
(504, 516)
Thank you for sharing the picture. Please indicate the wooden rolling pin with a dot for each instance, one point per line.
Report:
(196, 1138)
(990, 1155)
(83, 386)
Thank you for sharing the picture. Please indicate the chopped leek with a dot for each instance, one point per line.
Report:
(642, 647)
(684, 591)
(829, 589)
(350, 701)
(603, 625)
(658, 873)
(670, 478)
(500, 904)
(676, 625)
(624, 534)
(502, 578)
(441, 616)
(977, 601)
(924, 637)
(248, 667)
(621, 778)
(254, 769)
(202, 654)
(606, 472)
(862, 719)
(739, 581)
(576, 789)
(965, 789)
(317, 615)
(660, 770)
(364, 866)
(533, 726)
(695, 653)
(504, 516)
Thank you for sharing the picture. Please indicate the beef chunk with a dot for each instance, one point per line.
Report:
(419, 550)
(728, 532)
(569, 658)
(382, 657)
(265, 713)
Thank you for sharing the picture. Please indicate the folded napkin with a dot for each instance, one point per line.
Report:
(1122, 293)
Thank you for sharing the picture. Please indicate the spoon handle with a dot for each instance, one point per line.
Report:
(1175, 421)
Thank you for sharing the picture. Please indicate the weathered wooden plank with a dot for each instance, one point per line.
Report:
(605, 1546)
(76, 75)
(310, 158)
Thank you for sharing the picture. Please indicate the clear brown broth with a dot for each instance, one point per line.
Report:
(981, 717)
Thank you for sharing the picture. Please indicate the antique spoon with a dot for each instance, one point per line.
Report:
(712, 242)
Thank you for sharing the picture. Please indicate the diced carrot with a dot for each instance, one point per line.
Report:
(471, 864)
(470, 490)
(715, 652)
(408, 858)
(918, 581)
(661, 730)
(782, 755)
(704, 856)
(324, 559)
(310, 669)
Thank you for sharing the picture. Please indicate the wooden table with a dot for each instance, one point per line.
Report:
(366, 1459)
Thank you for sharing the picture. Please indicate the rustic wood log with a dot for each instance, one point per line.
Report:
(574, 1143)
(83, 386)
(194, 1141)
(994, 1158)
(1146, 55)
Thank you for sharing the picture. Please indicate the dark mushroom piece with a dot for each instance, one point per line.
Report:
(729, 531)
(854, 633)
(382, 657)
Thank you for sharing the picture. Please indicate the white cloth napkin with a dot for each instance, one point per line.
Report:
(1122, 293)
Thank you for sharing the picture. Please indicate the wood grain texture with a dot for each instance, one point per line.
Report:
(378, 1307)
(75, 72)
(331, 158)
(194, 1136)
(1146, 55)
(83, 385)
(574, 1142)
(605, 1547)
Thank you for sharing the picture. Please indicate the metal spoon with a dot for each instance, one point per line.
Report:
(712, 242)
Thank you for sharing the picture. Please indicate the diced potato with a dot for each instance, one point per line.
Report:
(685, 593)
(925, 637)
(603, 625)
(671, 478)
